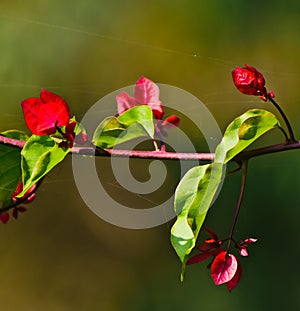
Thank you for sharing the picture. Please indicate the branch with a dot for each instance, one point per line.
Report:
(143, 154)
(163, 155)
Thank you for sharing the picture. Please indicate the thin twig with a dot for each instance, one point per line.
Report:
(285, 118)
(238, 208)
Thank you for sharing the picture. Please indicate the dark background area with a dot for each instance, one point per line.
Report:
(59, 255)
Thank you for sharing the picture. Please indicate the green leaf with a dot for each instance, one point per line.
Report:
(10, 167)
(243, 131)
(133, 123)
(193, 198)
(139, 114)
(39, 156)
(197, 189)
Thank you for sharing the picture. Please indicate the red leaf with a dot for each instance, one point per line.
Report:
(172, 121)
(15, 213)
(21, 209)
(199, 258)
(212, 234)
(236, 279)
(42, 115)
(125, 102)
(223, 268)
(208, 245)
(4, 217)
(146, 92)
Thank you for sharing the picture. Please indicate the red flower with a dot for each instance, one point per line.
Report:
(250, 81)
(146, 92)
(225, 267)
(43, 115)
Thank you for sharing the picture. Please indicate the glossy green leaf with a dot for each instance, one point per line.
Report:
(39, 156)
(197, 189)
(10, 167)
(243, 131)
(193, 198)
(139, 114)
(133, 123)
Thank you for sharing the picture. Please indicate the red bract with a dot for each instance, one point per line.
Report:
(236, 278)
(29, 195)
(250, 81)
(43, 115)
(242, 247)
(223, 268)
(69, 136)
(17, 210)
(146, 92)
(199, 258)
(4, 217)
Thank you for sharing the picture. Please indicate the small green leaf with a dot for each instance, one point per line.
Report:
(133, 123)
(139, 114)
(10, 167)
(243, 131)
(193, 198)
(39, 156)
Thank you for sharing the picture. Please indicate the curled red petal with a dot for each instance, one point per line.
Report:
(29, 193)
(243, 251)
(171, 121)
(248, 241)
(236, 278)
(223, 268)
(17, 191)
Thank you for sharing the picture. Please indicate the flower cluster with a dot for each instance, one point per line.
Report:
(225, 267)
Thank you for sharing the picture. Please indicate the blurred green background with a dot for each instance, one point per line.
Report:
(59, 255)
